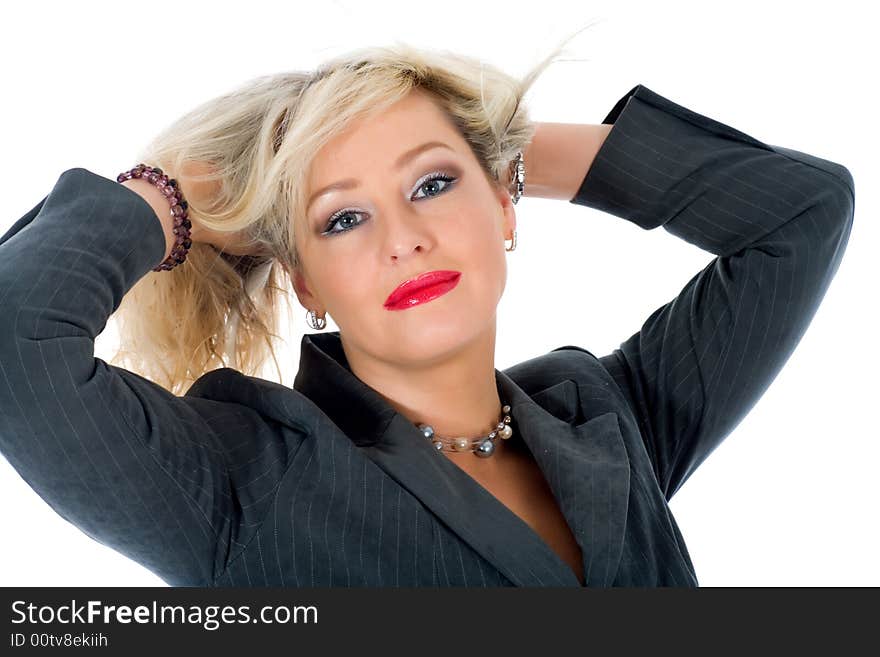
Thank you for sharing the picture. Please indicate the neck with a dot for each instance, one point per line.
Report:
(457, 394)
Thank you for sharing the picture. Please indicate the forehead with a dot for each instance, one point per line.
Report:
(382, 136)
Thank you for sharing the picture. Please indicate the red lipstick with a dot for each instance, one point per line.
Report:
(422, 288)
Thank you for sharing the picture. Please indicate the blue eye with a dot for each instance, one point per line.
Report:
(338, 218)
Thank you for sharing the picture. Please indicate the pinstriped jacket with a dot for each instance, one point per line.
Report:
(245, 482)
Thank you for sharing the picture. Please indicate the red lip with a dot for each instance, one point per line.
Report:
(422, 288)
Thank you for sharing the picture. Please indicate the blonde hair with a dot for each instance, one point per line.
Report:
(221, 310)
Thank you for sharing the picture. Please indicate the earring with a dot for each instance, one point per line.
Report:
(513, 243)
(314, 321)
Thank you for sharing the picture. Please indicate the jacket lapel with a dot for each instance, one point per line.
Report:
(587, 468)
(585, 465)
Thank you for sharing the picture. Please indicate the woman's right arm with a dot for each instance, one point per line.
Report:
(235, 243)
(134, 466)
(156, 200)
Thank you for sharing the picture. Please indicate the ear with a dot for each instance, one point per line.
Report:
(302, 288)
(508, 216)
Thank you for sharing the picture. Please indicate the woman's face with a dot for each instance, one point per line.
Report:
(400, 217)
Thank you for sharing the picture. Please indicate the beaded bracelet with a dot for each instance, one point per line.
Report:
(171, 191)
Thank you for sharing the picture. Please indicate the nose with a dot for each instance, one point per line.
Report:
(404, 232)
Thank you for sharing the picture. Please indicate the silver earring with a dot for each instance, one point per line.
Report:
(513, 243)
(314, 321)
(517, 177)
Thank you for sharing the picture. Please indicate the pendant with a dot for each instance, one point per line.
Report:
(485, 449)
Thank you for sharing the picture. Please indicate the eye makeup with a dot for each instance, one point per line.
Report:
(444, 176)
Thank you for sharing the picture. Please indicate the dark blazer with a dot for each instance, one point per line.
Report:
(246, 482)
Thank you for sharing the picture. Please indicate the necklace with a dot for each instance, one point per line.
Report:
(482, 446)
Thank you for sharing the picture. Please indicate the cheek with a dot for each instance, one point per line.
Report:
(478, 233)
(348, 282)
(482, 251)
(475, 219)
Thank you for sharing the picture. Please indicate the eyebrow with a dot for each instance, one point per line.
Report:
(349, 183)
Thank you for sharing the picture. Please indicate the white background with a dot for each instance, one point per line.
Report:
(790, 498)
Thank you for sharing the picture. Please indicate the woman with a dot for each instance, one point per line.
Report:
(401, 457)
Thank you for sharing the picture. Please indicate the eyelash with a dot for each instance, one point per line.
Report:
(437, 175)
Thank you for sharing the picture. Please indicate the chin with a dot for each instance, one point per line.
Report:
(435, 339)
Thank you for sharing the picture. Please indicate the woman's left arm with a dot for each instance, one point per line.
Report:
(778, 221)
(559, 156)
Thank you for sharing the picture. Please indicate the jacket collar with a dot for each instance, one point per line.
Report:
(583, 459)
(326, 378)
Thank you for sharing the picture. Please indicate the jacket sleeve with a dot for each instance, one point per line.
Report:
(778, 222)
(132, 465)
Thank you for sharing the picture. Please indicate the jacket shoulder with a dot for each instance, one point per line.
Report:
(563, 363)
(274, 402)
(572, 377)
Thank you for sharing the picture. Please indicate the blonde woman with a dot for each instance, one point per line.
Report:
(382, 188)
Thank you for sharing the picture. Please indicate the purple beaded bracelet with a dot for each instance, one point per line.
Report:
(179, 206)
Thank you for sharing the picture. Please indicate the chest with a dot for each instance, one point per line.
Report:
(525, 492)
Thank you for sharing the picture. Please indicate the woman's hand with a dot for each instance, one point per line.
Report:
(233, 243)
(201, 192)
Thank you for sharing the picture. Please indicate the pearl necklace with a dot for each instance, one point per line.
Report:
(484, 446)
